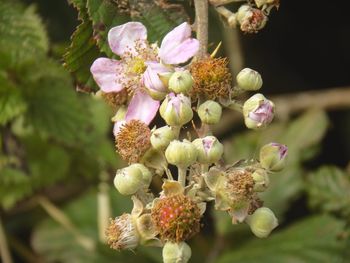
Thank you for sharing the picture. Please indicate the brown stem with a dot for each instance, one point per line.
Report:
(201, 8)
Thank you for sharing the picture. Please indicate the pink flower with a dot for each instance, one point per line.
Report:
(141, 64)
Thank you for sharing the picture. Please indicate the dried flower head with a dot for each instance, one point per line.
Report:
(176, 217)
(240, 184)
(212, 78)
(133, 140)
(121, 233)
(251, 19)
(115, 99)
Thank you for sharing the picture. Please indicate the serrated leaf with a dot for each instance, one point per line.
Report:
(56, 244)
(22, 35)
(54, 109)
(328, 189)
(312, 240)
(80, 55)
(11, 101)
(47, 163)
(104, 15)
(158, 20)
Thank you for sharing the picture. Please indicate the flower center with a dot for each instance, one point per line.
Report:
(137, 66)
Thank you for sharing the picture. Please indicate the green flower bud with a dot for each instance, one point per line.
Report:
(161, 137)
(258, 111)
(261, 180)
(262, 222)
(181, 154)
(210, 112)
(181, 82)
(273, 156)
(146, 174)
(209, 149)
(176, 252)
(176, 110)
(248, 79)
(129, 180)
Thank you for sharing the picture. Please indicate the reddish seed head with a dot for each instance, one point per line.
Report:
(177, 218)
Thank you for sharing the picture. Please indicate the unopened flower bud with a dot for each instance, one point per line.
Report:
(209, 149)
(146, 174)
(176, 252)
(176, 110)
(154, 82)
(273, 156)
(161, 137)
(129, 180)
(181, 82)
(262, 222)
(261, 180)
(258, 111)
(181, 154)
(251, 19)
(248, 79)
(210, 112)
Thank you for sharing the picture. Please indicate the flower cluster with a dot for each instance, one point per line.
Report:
(251, 16)
(148, 79)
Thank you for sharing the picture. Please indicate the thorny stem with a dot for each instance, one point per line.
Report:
(201, 8)
(182, 175)
(4, 249)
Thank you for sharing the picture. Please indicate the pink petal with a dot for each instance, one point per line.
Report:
(123, 38)
(142, 107)
(178, 46)
(151, 78)
(117, 126)
(107, 73)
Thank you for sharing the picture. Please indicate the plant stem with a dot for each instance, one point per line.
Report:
(223, 2)
(182, 175)
(4, 249)
(61, 218)
(103, 210)
(201, 8)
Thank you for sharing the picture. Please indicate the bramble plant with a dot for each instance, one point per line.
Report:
(178, 80)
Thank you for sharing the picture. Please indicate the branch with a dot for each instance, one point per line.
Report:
(288, 104)
(201, 8)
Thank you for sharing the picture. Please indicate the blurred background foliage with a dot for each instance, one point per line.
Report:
(57, 157)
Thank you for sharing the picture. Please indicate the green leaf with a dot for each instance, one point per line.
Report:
(329, 190)
(104, 15)
(80, 55)
(312, 240)
(54, 109)
(14, 186)
(22, 35)
(11, 101)
(47, 163)
(55, 244)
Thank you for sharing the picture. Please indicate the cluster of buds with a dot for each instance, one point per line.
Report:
(155, 82)
(251, 17)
